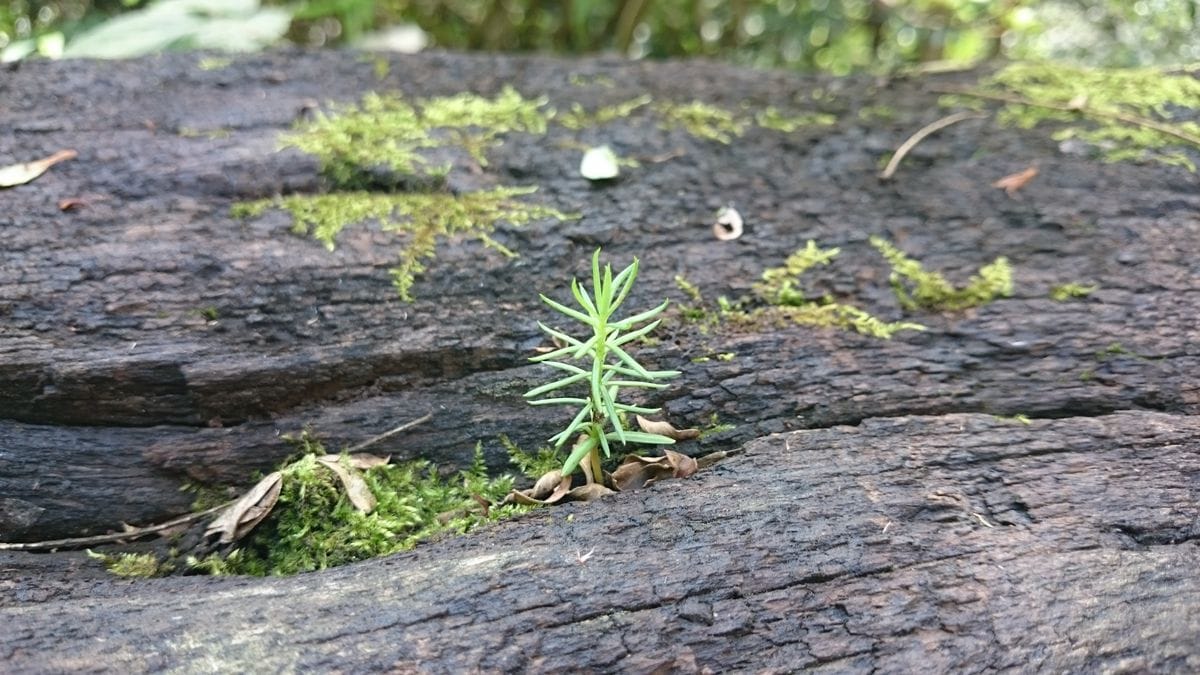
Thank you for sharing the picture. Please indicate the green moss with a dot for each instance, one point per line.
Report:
(422, 218)
(577, 118)
(780, 285)
(715, 426)
(881, 112)
(1071, 290)
(780, 288)
(1018, 418)
(138, 565)
(1129, 114)
(391, 132)
(532, 464)
(314, 526)
(771, 118)
(917, 288)
(702, 120)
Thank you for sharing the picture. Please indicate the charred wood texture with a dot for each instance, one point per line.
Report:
(886, 512)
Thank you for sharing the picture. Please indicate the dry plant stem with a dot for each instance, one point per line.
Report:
(597, 469)
(388, 434)
(926, 130)
(1081, 109)
(135, 533)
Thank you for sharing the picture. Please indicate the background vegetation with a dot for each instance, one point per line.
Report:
(836, 36)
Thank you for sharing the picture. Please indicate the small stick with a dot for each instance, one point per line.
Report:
(920, 136)
(1082, 109)
(388, 434)
(135, 533)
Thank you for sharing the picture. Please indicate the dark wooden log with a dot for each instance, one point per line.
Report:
(952, 543)
(904, 523)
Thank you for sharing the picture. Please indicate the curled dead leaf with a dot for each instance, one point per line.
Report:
(548, 489)
(638, 472)
(1014, 182)
(665, 429)
(729, 224)
(356, 488)
(242, 516)
(19, 174)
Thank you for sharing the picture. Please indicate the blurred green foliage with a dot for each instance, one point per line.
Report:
(837, 36)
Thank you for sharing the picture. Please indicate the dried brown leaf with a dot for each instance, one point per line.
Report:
(586, 493)
(665, 429)
(240, 517)
(19, 174)
(548, 489)
(356, 488)
(638, 472)
(1014, 182)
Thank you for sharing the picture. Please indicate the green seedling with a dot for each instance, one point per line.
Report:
(608, 369)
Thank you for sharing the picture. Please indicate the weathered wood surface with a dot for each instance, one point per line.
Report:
(956, 543)
(112, 384)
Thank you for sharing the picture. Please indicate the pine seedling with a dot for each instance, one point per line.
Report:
(606, 368)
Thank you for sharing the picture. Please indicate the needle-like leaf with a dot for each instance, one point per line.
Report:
(584, 301)
(572, 401)
(557, 384)
(634, 409)
(629, 337)
(574, 314)
(626, 324)
(561, 437)
(623, 283)
(578, 454)
(643, 437)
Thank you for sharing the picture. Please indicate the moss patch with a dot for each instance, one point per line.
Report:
(1127, 114)
(917, 288)
(1071, 291)
(421, 218)
(778, 298)
(314, 525)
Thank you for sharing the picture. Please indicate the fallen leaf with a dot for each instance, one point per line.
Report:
(638, 472)
(599, 163)
(587, 493)
(72, 204)
(356, 488)
(1016, 181)
(19, 174)
(242, 516)
(729, 225)
(548, 489)
(665, 429)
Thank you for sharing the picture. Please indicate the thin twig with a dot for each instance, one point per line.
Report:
(920, 136)
(1081, 109)
(135, 533)
(388, 434)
